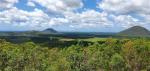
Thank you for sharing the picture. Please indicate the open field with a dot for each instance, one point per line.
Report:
(94, 39)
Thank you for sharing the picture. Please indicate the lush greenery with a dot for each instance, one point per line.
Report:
(111, 55)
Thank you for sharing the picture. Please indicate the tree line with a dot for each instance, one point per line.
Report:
(112, 55)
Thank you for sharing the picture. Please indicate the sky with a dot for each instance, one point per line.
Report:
(74, 15)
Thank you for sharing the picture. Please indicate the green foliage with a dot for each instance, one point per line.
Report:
(117, 63)
(112, 55)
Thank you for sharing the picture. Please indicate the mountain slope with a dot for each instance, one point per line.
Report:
(49, 30)
(135, 31)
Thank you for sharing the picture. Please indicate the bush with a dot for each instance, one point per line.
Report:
(112, 55)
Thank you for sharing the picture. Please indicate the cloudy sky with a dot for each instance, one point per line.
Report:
(74, 15)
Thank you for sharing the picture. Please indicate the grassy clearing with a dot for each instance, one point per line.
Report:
(95, 39)
(66, 39)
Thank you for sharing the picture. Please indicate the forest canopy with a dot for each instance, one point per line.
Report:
(112, 55)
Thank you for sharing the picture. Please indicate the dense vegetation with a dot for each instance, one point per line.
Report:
(111, 55)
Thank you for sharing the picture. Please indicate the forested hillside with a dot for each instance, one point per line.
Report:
(135, 31)
(112, 55)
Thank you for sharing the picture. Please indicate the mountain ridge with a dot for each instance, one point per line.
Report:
(28, 33)
(49, 30)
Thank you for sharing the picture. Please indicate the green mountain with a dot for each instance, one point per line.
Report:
(135, 31)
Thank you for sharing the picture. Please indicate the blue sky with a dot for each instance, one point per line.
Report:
(73, 15)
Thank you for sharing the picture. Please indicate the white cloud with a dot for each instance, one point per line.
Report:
(59, 5)
(126, 6)
(146, 19)
(58, 21)
(37, 19)
(4, 4)
(87, 19)
(116, 12)
(31, 4)
(127, 21)
(123, 10)
(21, 18)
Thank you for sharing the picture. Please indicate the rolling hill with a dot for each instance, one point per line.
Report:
(28, 33)
(135, 31)
(49, 30)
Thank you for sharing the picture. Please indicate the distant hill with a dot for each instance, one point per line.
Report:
(28, 33)
(135, 31)
(49, 30)
(20, 33)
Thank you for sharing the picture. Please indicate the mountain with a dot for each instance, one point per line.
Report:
(49, 30)
(28, 33)
(135, 31)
